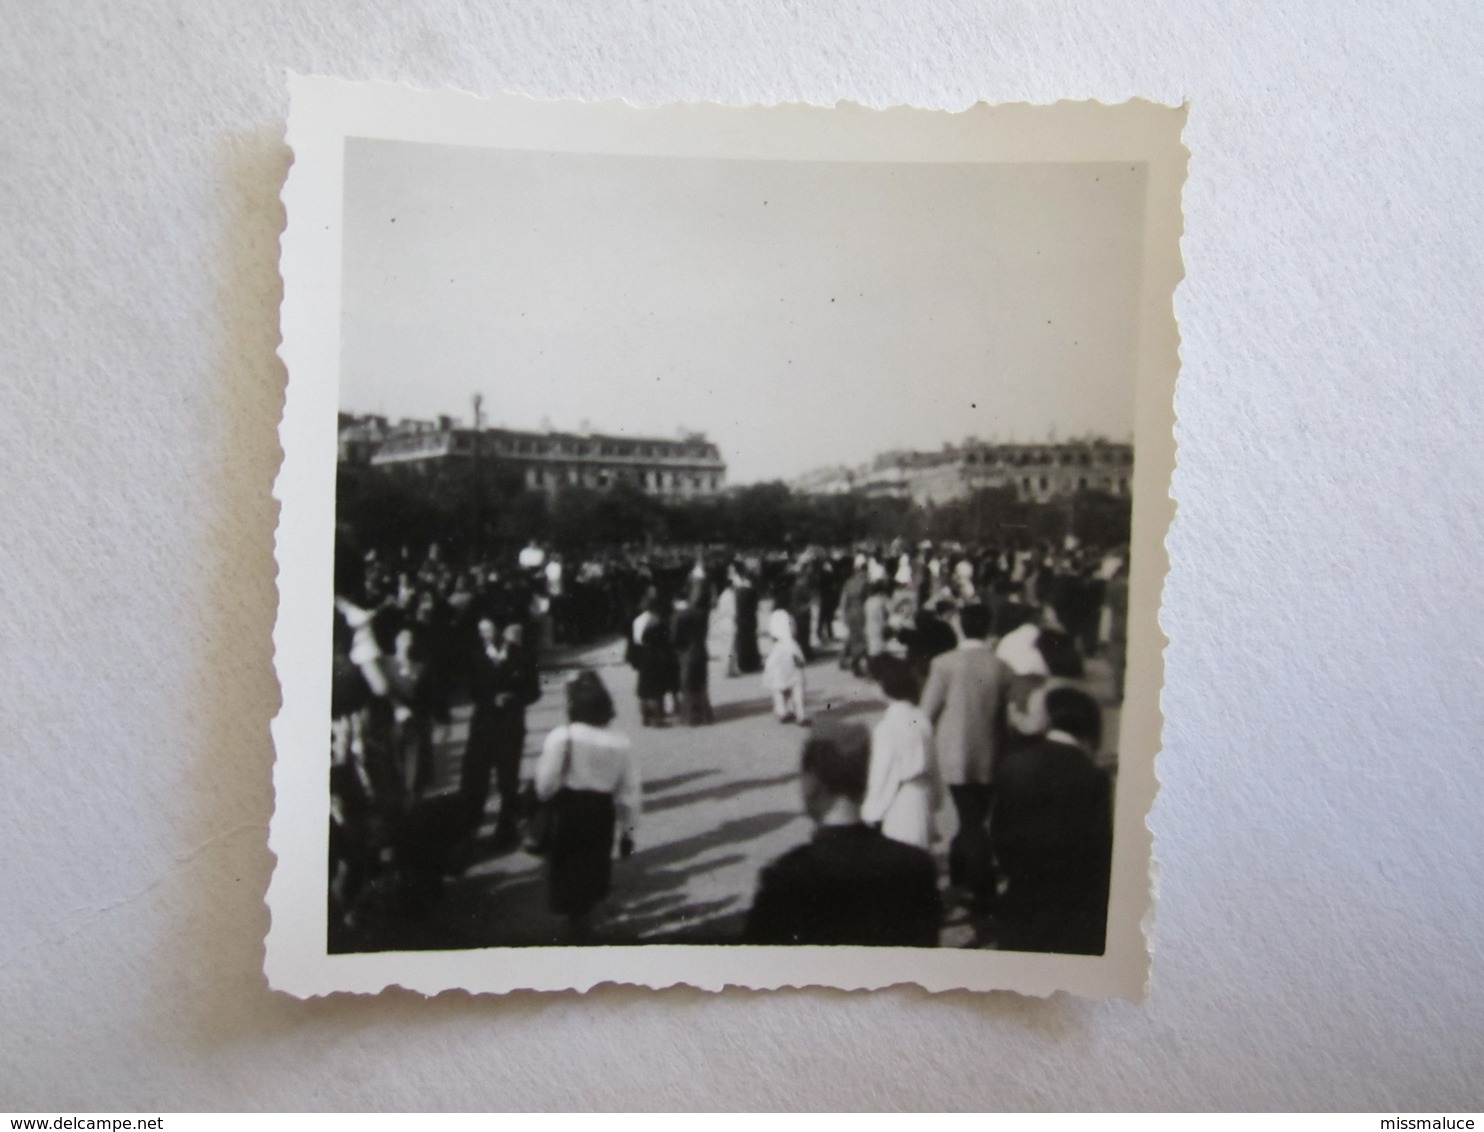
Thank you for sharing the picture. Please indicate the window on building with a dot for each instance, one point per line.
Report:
(1045, 483)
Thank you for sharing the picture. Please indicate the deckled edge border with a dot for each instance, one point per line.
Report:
(308, 971)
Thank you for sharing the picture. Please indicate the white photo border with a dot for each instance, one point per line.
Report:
(324, 113)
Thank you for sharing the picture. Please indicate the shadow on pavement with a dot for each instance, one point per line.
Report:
(845, 709)
(660, 785)
(648, 903)
(719, 793)
(728, 833)
(695, 923)
(741, 709)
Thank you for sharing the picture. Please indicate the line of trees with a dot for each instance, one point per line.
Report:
(471, 510)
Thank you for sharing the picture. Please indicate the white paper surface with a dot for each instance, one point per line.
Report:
(1320, 925)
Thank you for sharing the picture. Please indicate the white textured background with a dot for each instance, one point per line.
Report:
(1321, 914)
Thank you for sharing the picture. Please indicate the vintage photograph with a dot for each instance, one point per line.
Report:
(730, 550)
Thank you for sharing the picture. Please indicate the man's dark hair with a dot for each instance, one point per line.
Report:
(588, 700)
(896, 677)
(838, 755)
(975, 620)
(1012, 616)
(1072, 710)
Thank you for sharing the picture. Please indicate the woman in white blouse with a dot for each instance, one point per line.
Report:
(587, 774)
(902, 786)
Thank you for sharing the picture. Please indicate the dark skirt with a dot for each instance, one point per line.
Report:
(744, 647)
(694, 666)
(581, 861)
(659, 671)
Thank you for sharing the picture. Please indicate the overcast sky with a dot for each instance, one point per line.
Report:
(800, 313)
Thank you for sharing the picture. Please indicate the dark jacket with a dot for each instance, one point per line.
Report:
(1052, 828)
(690, 643)
(849, 885)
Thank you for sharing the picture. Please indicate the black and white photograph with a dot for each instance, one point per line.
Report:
(731, 551)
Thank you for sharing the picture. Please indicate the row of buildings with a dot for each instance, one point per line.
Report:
(689, 465)
(1034, 472)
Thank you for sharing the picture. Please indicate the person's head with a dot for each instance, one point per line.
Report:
(1074, 712)
(835, 763)
(487, 630)
(897, 679)
(514, 634)
(975, 620)
(588, 700)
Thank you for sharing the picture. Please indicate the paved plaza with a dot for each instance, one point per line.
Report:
(720, 802)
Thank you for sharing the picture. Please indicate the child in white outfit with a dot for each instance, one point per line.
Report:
(783, 674)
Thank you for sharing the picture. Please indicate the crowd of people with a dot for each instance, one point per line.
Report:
(979, 652)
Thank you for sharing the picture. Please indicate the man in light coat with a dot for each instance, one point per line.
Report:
(964, 699)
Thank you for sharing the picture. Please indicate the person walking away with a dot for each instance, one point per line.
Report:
(876, 615)
(832, 575)
(504, 682)
(783, 674)
(694, 699)
(930, 636)
(417, 702)
(653, 657)
(745, 655)
(587, 774)
(850, 884)
(964, 700)
(801, 603)
(902, 788)
(1052, 833)
(853, 612)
